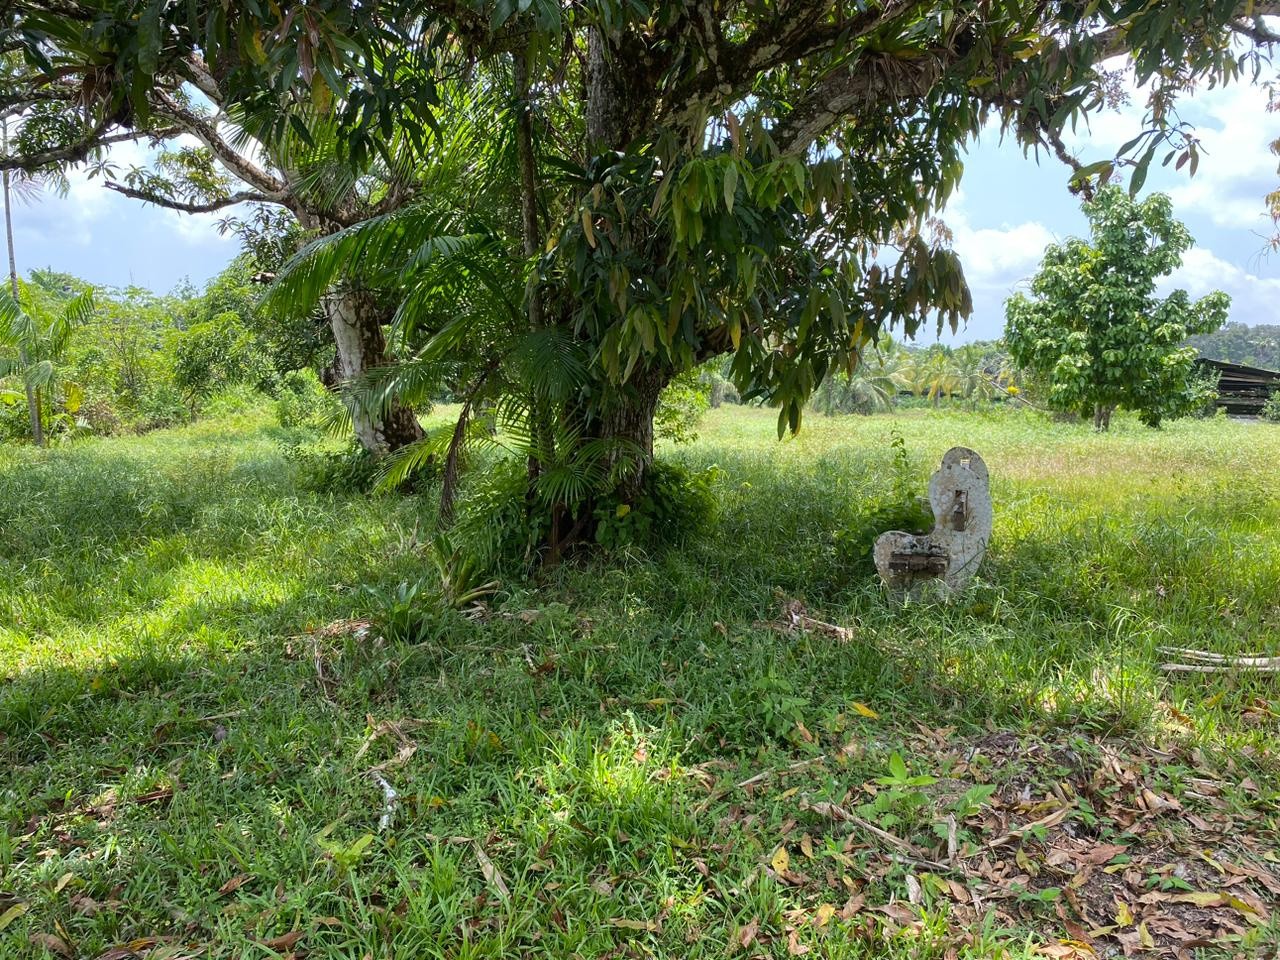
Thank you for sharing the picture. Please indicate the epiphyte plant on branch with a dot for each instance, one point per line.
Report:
(683, 183)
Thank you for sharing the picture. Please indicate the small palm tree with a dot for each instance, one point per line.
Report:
(870, 388)
(33, 341)
(930, 374)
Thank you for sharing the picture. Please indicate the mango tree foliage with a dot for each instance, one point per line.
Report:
(1094, 327)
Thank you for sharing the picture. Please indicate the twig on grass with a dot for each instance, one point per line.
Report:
(909, 854)
(766, 774)
(1205, 661)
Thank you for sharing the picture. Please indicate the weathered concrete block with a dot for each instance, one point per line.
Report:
(947, 557)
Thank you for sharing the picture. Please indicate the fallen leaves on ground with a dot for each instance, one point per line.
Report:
(1082, 843)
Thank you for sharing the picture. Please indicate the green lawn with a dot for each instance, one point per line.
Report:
(625, 759)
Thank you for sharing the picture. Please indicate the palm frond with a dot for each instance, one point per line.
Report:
(17, 327)
(375, 250)
(38, 375)
(76, 313)
(550, 363)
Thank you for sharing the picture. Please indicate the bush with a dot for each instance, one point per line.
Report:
(325, 469)
(680, 407)
(494, 521)
(304, 403)
(218, 353)
(674, 506)
(160, 405)
(1271, 409)
(15, 422)
(99, 415)
(900, 507)
(232, 400)
(497, 526)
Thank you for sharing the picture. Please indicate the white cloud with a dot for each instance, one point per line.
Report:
(1236, 169)
(198, 229)
(67, 220)
(995, 256)
(1253, 298)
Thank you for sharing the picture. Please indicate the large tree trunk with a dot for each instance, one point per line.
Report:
(357, 331)
(628, 418)
(1102, 417)
(618, 109)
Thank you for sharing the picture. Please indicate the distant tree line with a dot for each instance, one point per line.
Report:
(1253, 346)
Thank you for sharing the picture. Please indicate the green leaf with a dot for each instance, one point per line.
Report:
(730, 186)
(150, 37)
(12, 914)
(1140, 171)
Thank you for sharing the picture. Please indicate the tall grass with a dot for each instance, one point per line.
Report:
(156, 596)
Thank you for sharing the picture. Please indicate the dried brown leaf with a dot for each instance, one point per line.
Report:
(234, 884)
(285, 942)
(50, 942)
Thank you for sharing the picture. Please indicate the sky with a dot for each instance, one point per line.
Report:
(1007, 209)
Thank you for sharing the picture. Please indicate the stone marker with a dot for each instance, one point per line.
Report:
(947, 557)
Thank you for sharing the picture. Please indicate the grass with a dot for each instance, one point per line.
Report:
(189, 749)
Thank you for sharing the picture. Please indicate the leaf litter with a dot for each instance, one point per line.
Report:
(1101, 847)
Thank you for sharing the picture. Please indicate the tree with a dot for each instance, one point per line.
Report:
(931, 373)
(978, 371)
(1094, 326)
(6, 190)
(749, 179)
(294, 169)
(1253, 346)
(35, 337)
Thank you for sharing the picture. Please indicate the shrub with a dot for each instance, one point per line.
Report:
(1271, 409)
(674, 506)
(405, 613)
(325, 469)
(100, 416)
(232, 400)
(218, 353)
(497, 525)
(900, 507)
(680, 407)
(304, 403)
(494, 521)
(160, 405)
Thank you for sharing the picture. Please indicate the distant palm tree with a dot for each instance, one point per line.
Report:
(870, 388)
(9, 179)
(976, 374)
(36, 339)
(24, 185)
(930, 374)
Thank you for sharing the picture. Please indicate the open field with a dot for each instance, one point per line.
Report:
(626, 759)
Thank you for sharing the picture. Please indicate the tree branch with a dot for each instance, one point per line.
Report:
(241, 196)
(875, 77)
(76, 152)
(203, 130)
